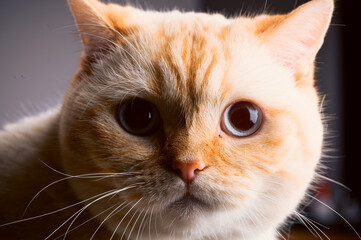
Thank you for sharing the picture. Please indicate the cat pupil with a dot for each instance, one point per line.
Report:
(243, 116)
(240, 118)
(138, 117)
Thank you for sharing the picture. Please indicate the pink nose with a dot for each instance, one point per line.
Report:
(187, 171)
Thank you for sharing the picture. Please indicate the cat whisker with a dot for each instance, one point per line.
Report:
(116, 210)
(149, 223)
(309, 228)
(311, 225)
(125, 215)
(109, 176)
(155, 226)
(88, 175)
(280, 234)
(98, 176)
(83, 223)
(146, 215)
(129, 222)
(322, 102)
(172, 222)
(82, 176)
(337, 213)
(55, 211)
(135, 223)
(333, 181)
(295, 4)
(76, 215)
(141, 227)
(315, 222)
(160, 214)
(265, 5)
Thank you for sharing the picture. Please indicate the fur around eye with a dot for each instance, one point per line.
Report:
(138, 117)
(241, 119)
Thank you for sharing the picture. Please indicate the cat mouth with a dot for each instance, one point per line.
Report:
(188, 205)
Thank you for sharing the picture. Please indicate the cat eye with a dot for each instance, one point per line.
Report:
(138, 117)
(241, 119)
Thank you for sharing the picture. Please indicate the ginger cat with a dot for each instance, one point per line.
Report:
(175, 126)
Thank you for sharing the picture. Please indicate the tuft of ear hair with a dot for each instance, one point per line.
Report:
(101, 25)
(94, 27)
(295, 38)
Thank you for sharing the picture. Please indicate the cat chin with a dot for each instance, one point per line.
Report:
(205, 224)
(188, 207)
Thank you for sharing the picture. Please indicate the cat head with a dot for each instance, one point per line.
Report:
(205, 122)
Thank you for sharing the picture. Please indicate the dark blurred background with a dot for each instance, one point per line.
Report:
(39, 51)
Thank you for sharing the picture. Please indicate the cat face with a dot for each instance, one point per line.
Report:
(209, 124)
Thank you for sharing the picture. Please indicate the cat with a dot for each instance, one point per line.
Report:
(176, 125)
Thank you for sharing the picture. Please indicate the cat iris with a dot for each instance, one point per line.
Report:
(138, 117)
(241, 119)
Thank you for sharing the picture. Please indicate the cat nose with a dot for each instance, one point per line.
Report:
(187, 171)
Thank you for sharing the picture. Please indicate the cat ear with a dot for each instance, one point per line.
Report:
(93, 25)
(295, 38)
(101, 25)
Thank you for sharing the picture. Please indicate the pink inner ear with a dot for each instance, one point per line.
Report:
(297, 39)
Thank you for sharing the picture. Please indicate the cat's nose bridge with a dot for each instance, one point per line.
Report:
(185, 157)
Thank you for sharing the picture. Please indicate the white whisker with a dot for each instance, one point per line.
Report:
(115, 230)
(86, 206)
(82, 224)
(130, 220)
(117, 209)
(265, 5)
(134, 224)
(141, 227)
(63, 179)
(280, 234)
(149, 223)
(312, 228)
(76, 215)
(98, 176)
(87, 175)
(53, 212)
(337, 213)
(333, 181)
(148, 208)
